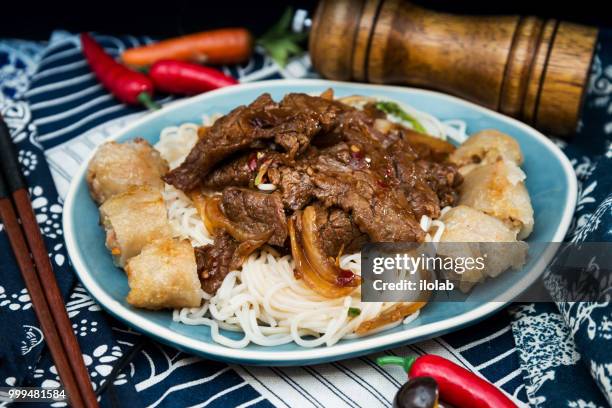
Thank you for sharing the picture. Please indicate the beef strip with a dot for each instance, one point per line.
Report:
(338, 232)
(239, 171)
(215, 261)
(428, 185)
(229, 134)
(379, 210)
(443, 178)
(294, 184)
(292, 123)
(256, 212)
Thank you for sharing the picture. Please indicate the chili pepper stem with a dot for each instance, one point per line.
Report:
(405, 362)
(147, 101)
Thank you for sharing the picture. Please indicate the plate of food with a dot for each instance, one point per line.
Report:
(230, 224)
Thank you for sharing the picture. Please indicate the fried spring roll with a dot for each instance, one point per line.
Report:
(118, 166)
(486, 147)
(498, 189)
(164, 275)
(133, 219)
(470, 233)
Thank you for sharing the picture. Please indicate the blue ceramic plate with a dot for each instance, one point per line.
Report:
(550, 180)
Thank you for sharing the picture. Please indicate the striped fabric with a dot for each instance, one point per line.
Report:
(72, 114)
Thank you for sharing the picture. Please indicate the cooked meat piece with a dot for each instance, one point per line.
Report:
(428, 185)
(443, 178)
(164, 276)
(256, 212)
(291, 124)
(304, 117)
(422, 199)
(229, 134)
(379, 209)
(294, 185)
(215, 261)
(240, 171)
(378, 212)
(338, 232)
(116, 167)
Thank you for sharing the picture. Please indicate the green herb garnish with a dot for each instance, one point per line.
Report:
(354, 311)
(393, 109)
(280, 42)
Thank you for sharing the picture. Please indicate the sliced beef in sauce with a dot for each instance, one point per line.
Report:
(238, 171)
(215, 261)
(256, 213)
(443, 178)
(294, 185)
(291, 124)
(226, 254)
(229, 134)
(379, 210)
(338, 232)
(336, 173)
(428, 185)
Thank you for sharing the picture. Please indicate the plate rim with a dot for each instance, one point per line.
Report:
(271, 356)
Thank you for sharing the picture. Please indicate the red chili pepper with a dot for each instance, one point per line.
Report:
(126, 85)
(181, 77)
(458, 386)
(345, 277)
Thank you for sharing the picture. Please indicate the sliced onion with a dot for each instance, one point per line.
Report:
(263, 169)
(393, 314)
(266, 187)
(383, 125)
(245, 249)
(317, 259)
(209, 209)
(436, 145)
(199, 201)
(305, 271)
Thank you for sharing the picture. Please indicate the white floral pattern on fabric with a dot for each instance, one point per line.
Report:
(538, 331)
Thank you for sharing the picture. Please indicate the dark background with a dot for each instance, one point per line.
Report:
(35, 20)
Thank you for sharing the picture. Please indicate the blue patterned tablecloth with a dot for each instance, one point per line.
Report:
(546, 355)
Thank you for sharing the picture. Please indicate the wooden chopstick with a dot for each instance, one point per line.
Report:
(41, 307)
(57, 317)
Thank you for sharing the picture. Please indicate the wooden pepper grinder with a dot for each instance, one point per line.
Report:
(524, 67)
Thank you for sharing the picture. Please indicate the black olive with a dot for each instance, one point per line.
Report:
(419, 392)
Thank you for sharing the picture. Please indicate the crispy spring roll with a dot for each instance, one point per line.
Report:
(486, 147)
(470, 233)
(498, 190)
(118, 166)
(164, 275)
(133, 219)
